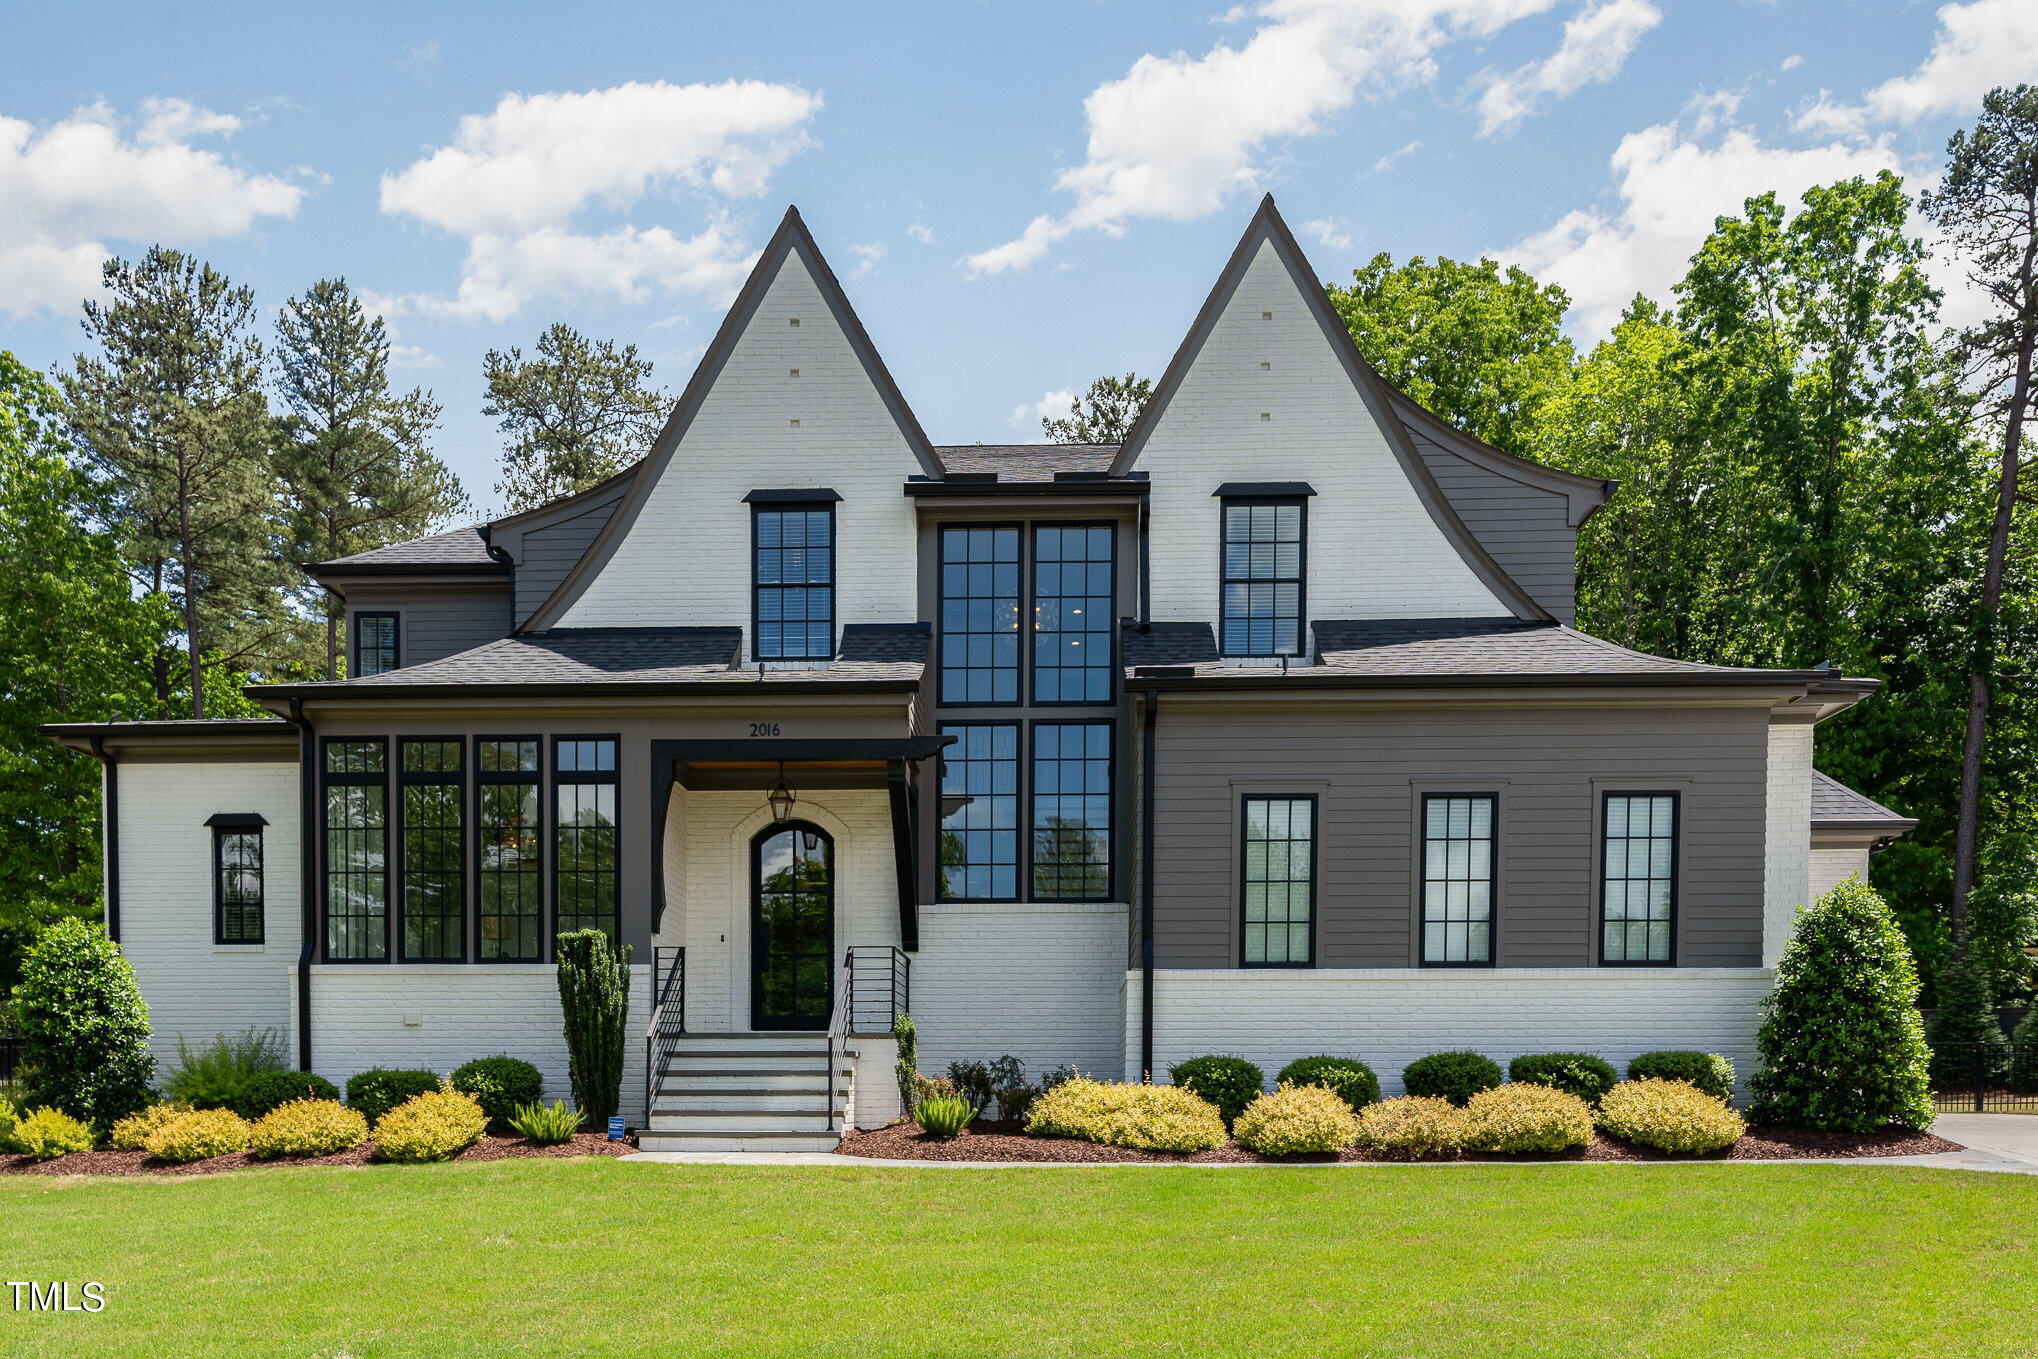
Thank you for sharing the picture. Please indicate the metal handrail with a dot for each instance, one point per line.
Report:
(668, 1017)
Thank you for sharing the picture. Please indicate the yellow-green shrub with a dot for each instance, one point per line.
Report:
(1149, 1117)
(198, 1135)
(132, 1132)
(1296, 1120)
(1523, 1117)
(1421, 1127)
(308, 1127)
(435, 1126)
(46, 1134)
(1672, 1116)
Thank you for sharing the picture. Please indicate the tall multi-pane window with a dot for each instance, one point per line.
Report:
(980, 812)
(1279, 882)
(979, 615)
(507, 865)
(584, 829)
(795, 582)
(1072, 613)
(1639, 888)
(1071, 810)
(1263, 572)
(375, 648)
(434, 895)
(237, 883)
(357, 851)
(1457, 877)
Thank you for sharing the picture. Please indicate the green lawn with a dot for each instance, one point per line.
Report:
(595, 1258)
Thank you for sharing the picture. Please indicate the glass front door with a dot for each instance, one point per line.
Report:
(792, 927)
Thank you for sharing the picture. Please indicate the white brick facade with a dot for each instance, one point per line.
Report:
(1787, 840)
(1830, 867)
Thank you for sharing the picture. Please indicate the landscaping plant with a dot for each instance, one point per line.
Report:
(1230, 1083)
(1297, 1120)
(931, 1087)
(907, 1069)
(1351, 1080)
(1149, 1117)
(2023, 1077)
(945, 1116)
(46, 1133)
(594, 996)
(1525, 1118)
(132, 1133)
(1841, 1042)
(1708, 1071)
(378, 1090)
(1455, 1076)
(308, 1127)
(972, 1081)
(270, 1090)
(84, 1026)
(8, 1118)
(1672, 1116)
(435, 1126)
(1579, 1073)
(213, 1077)
(500, 1085)
(1965, 1038)
(1420, 1127)
(546, 1127)
(199, 1136)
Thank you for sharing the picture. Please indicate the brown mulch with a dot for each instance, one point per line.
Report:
(986, 1141)
(141, 1163)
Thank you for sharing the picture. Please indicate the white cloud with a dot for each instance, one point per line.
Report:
(1326, 229)
(1597, 41)
(513, 181)
(921, 232)
(1051, 406)
(1178, 137)
(69, 188)
(1386, 162)
(1978, 45)
(411, 356)
(1791, 62)
(867, 257)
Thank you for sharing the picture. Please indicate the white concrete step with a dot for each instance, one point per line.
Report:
(688, 1081)
(731, 1063)
(654, 1140)
(737, 1121)
(686, 1100)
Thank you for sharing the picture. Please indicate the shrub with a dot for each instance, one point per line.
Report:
(434, 1126)
(46, 1133)
(1965, 1038)
(931, 1087)
(267, 1091)
(594, 995)
(213, 1077)
(1527, 1118)
(1708, 1071)
(1577, 1073)
(199, 1135)
(547, 1127)
(1349, 1079)
(972, 1081)
(1420, 1127)
(1455, 1076)
(2024, 1059)
(1840, 1040)
(308, 1127)
(1149, 1117)
(945, 1116)
(1672, 1116)
(84, 1026)
(907, 1069)
(378, 1090)
(132, 1133)
(1008, 1083)
(1297, 1120)
(500, 1085)
(8, 1119)
(1230, 1083)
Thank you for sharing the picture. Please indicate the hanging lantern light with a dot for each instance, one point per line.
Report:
(781, 797)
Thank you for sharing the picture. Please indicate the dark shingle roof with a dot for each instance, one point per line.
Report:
(461, 549)
(1834, 803)
(1027, 462)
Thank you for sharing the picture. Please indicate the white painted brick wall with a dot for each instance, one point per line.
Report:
(1389, 1017)
(876, 1088)
(194, 987)
(1831, 867)
(686, 560)
(1374, 551)
(1787, 841)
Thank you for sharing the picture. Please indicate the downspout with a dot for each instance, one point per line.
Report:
(307, 850)
(110, 836)
(1146, 872)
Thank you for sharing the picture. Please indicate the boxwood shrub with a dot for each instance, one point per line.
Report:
(1348, 1078)
(1230, 1083)
(1708, 1071)
(1575, 1073)
(269, 1090)
(1455, 1076)
(501, 1085)
(378, 1090)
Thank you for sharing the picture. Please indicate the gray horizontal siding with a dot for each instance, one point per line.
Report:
(1366, 768)
(548, 553)
(437, 621)
(1524, 529)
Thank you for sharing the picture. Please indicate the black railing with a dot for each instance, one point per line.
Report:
(880, 983)
(668, 1017)
(1970, 1078)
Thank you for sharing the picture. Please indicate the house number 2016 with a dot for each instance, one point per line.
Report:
(764, 728)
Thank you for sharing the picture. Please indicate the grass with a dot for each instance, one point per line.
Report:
(583, 1257)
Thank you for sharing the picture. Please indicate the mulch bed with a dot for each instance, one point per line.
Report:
(141, 1163)
(987, 1141)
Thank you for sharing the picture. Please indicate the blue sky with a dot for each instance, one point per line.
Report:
(1018, 196)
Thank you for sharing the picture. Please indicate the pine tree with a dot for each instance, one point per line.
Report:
(576, 414)
(1965, 1036)
(1103, 415)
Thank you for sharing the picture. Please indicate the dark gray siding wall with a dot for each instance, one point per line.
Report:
(1524, 528)
(548, 553)
(436, 621)
(1369, 767)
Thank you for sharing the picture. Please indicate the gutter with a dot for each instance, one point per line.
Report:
(307, 845)
(1146, 870)
(109, 830)
(364, 689)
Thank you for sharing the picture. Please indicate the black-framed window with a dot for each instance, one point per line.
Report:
(1263, 563)
(431, 868)
(1073, 612)
(1071, 811)
(980, 812)
(585, 838)
(1457, 877)
(357, 850)
(375, 645)
(794, 582)
(1278, 882)
(509, 857)
(980, 614)
(237, 884)
(1638, 887)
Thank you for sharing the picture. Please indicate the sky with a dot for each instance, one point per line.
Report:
(1018, 197)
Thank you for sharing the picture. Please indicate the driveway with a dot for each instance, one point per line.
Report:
(2010, 1136)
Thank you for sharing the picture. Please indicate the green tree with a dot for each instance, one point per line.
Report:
(576, 414)
(352, 455)
(1479, 346)
(1103, 415)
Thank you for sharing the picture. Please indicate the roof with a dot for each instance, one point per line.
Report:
(1835, 806)
(1025, 462)
(462, 549)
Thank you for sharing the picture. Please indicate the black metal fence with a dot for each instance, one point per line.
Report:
(1973, 1078)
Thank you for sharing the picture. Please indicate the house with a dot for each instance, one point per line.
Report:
(1265, 732)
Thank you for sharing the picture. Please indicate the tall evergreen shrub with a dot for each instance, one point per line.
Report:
(1964, 1034)
(594, 996)
(84, 1026)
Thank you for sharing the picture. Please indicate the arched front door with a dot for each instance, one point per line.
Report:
(792, 927)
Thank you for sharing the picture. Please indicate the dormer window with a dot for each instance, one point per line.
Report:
(375, 648)
(793, 578)
(1264, 567)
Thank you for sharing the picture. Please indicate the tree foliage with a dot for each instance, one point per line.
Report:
(576, 413)
(1104, 414)
(84, 1026)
